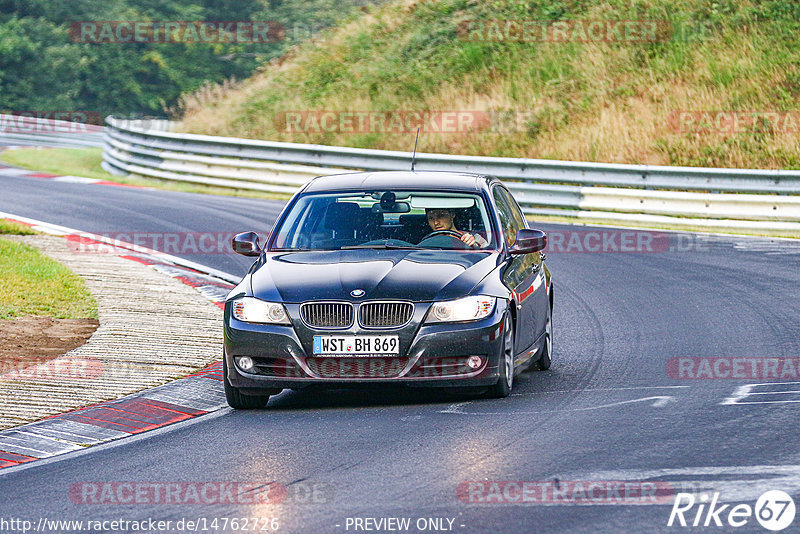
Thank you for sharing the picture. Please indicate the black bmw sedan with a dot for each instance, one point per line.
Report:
(415, 278)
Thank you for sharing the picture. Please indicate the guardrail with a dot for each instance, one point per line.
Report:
(24, 130)
(748, 200)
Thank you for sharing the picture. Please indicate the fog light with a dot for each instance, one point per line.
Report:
(473, 362)
(245, 363)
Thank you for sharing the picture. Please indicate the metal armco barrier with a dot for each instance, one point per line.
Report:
(742, 199)
(24, 130)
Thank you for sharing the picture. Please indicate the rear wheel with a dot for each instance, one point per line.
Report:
(506, 364)
(238, 400)
(546, 352)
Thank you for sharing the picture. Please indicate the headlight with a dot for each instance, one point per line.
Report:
(466, 309)
(253, 310)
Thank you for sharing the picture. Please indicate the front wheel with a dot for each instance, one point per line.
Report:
(506, 364)
(238, 400)
(546, 353)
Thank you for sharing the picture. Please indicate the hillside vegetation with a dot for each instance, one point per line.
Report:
(609, 100)
(46, 67)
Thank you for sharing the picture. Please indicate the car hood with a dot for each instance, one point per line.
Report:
(416, 275)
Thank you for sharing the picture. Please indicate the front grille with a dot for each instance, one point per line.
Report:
(385, 314)
(327, 314)
(278, 368)
(365, 367)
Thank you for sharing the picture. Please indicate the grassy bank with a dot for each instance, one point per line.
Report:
(606, 101)
(73, 161)
(33, 284)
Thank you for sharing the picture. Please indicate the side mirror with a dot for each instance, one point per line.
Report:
(246, 244)
(528, 241)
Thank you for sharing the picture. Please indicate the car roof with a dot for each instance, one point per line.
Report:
(387, 180)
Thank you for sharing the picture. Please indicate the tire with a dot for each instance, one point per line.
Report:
(506, 364)
(238, 400)
(545, 356)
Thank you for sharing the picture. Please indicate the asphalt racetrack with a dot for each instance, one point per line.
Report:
(628, 398)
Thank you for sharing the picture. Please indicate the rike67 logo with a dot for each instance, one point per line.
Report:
(774, 510)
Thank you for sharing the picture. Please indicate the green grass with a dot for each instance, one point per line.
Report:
(33, 284)
(73, 161)
(86, 162)
(12, 228)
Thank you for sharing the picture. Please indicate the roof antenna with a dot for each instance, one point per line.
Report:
(414, 156)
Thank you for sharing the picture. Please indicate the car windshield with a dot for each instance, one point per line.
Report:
(386, 220)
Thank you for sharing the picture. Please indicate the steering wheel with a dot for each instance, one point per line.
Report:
(444, 233)
(451, 233)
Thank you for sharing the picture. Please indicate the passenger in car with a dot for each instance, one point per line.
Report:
(440, 219)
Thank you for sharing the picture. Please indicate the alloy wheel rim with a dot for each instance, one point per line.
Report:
(508, 354)
(549, 336)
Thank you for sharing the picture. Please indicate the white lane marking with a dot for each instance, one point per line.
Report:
(75, 179)
(594, 389)
(458, 407)
(411, 418)
(13, 172)
(753, 480)
(659, 401)
(746, 390)
(663, 401)
(766, 402)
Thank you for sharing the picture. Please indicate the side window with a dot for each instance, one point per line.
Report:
(516, 212)
(509, 218)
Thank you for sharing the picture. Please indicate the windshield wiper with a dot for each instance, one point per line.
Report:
(382, 246)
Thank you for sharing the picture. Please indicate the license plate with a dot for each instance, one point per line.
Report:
(356, 345)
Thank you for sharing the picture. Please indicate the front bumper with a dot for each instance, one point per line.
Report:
(430, 355)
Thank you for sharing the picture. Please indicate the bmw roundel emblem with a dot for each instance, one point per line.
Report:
(357, 293)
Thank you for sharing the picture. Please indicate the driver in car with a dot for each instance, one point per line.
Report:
(441, 219)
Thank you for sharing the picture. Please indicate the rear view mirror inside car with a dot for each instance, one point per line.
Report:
(397, 207)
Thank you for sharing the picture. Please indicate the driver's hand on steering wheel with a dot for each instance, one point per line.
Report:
(469, 239)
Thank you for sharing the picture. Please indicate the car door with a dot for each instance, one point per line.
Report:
(538, 297)
(522, 274)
